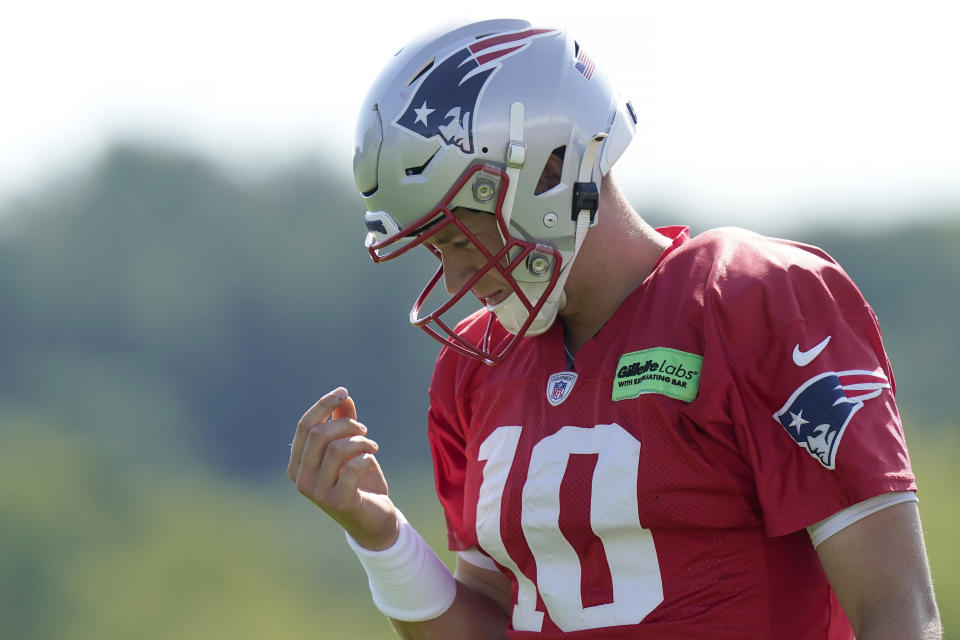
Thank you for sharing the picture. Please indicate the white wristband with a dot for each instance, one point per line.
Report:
(407, 580)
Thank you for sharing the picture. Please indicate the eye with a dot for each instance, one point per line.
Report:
(461, 244)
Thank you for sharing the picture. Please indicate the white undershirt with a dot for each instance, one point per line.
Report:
(846, 517)
(476, 558)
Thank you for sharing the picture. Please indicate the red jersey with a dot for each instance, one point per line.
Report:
(661, 487)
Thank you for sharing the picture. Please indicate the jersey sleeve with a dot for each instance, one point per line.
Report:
(447, 446)
(809, 389)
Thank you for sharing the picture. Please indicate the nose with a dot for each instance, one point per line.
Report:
(457, 271)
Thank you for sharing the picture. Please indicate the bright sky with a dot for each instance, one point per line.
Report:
(750, 110)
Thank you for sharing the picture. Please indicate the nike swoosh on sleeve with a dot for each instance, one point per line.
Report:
(803, 358)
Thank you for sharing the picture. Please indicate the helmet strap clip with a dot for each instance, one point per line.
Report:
(586, 200)
(586, 197)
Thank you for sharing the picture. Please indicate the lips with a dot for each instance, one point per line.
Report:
(495, 301)
(493, 298)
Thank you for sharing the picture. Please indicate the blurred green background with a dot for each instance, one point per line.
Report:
(163, 325)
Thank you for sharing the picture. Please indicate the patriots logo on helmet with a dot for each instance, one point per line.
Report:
(818, 412)
(445, 103)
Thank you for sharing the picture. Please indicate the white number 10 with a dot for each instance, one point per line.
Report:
(631, 555)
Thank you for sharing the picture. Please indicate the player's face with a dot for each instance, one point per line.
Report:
(462, 259)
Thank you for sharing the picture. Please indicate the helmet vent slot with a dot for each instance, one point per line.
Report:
(426, 67)
(552, 171)
(376, 226)
(418, 170)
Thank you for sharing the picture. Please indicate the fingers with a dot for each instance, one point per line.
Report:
(324, 407)
(361, 504)
(362, 472)
(316, 443)
(343, 492)
(324, 459)
(332, 463)
(346, 409)
(317, 414)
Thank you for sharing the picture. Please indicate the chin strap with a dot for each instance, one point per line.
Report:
(586, 208)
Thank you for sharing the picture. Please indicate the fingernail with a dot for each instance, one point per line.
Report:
(340, 393)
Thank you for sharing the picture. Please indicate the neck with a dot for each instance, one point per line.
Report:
(617, 256)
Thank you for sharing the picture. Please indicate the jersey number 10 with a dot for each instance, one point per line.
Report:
(631, 555)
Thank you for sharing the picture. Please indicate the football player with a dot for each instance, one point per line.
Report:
(640, 434)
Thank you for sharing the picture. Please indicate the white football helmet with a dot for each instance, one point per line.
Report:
(470, 118)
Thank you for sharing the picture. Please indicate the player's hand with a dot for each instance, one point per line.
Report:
(332, 463)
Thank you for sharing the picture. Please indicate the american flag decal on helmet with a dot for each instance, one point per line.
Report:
(818, 412)
(585, 65)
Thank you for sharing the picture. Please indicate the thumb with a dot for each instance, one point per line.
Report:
(346, 409)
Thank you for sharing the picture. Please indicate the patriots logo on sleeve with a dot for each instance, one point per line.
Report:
(818, 412)
(445, 103)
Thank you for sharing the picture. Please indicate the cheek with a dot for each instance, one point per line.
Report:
(459, 264)
(495, 275)
(491, 240)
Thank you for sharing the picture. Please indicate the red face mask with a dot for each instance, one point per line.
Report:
(509, 257)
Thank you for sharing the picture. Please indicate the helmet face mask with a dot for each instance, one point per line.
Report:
(475, 118)
(509, 258)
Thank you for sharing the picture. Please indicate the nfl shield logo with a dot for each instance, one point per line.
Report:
(559, 386)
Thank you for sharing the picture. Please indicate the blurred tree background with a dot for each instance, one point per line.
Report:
(163, 325)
